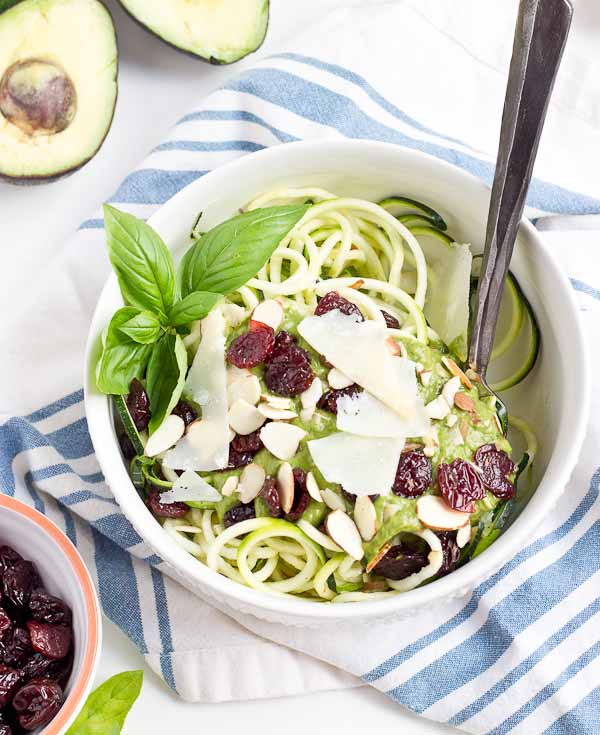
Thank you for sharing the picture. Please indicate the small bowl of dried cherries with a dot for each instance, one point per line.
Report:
(50, 625)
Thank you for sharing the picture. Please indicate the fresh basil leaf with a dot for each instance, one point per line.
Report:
(141, 261)
(165, 377)
(227, 256)
(144, 328)
(195, 306)
(107, 707)
(122, 358)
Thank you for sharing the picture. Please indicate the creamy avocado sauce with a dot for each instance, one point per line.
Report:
(395, 514)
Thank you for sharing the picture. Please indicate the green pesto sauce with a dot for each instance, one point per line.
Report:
(461, 440)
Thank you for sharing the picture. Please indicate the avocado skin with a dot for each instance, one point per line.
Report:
(212, 60)
(6, 4)
(62, 174)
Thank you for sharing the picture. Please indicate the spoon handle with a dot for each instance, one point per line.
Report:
(540, 37)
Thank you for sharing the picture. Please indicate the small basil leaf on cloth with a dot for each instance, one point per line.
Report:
(144, 328)
(165, 377)
(227, 256)
(122, 359)
(107, 707)
(194, 306)
(143, 264)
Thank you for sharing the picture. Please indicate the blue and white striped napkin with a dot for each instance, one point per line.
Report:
(518, 655)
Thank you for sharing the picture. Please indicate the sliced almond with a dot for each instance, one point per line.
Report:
(277, 414)
(244, 418)
(337, 380)
(281, 439)
(455, 437)
(455, 370)
(425, 377)
(393, 346)
(438, 408)
(434, 512)
(233, 313)
(306, 414)
(269, 312)
(464, 429)
(473, 376)
(277, 401)
(285, 486)
(235, 373)
(247, 387)
(432, 441)
(450, 389)
(451, 420)
(365, 517)
(463, 536)
(311, 395)
(342, 529)
(168, 433)
(229, 486)
(378, 557)
(251, 481)
(358, 284)
(332, 500)
(195, 432)
(313, 488)
(464, 402)
(498, 424)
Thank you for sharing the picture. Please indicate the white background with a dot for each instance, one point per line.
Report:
(157, 85)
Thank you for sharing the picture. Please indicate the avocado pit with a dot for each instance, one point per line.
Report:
(38, 97)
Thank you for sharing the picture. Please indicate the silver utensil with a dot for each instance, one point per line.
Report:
(540, 37)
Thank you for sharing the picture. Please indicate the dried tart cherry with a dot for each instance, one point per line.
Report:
(252, 348)
(461, 485)
(37, 702)
(413, 475)
(332, 300)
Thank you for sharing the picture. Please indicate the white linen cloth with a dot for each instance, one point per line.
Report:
(520, 654)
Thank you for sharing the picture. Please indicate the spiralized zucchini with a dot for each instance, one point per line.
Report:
(336, 238)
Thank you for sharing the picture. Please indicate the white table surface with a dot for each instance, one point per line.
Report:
(156, 87)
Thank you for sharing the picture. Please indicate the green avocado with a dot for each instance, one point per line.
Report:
(58, 85)
(218, 31)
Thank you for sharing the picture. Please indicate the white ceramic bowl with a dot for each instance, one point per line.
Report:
(552, 399)
(64, 575)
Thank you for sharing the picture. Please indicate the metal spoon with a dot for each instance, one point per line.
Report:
(540, 37)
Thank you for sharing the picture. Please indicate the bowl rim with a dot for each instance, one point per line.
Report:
(93, 620)
(453, 584)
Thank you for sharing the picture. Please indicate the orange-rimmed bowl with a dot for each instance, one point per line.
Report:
(63, 574)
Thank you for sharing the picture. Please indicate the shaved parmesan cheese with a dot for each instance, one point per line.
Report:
(365, 415)
(207, 447)
(359, 350)
(190, 487)
(447, 304)
(362, 465)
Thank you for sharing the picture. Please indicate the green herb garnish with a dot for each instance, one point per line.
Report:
(107, 707)
(143, 338)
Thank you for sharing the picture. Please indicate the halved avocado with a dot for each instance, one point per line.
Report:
(219, 31)
(58, 85)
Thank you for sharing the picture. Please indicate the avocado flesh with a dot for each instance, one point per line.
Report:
(219, 31)
(58, 85)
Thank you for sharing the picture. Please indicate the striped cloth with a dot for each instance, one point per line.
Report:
(517, 655)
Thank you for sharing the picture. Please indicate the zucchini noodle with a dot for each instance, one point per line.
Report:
(337, 233)
(372, 259)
